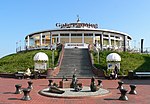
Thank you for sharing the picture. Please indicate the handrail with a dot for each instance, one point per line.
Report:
(60, 56)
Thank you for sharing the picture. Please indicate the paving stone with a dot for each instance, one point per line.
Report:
(7, 95)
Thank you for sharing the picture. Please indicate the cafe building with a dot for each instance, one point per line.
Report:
(78, 35)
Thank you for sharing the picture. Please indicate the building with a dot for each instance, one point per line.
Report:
(78, 35)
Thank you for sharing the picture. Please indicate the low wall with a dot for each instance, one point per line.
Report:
(53, 72)
(6, 75)
(96, 71)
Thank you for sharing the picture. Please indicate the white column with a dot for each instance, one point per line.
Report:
(69, 37)
(41, 42)
(120, 43)
(109, 40)
(59, 38)
(114, 41)
(82, 37)
(50, 40)
(55, 39)
(28, 43)
(93, 38)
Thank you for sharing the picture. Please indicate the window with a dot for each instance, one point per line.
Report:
(64, 34)
(76, 34)
(88, 34)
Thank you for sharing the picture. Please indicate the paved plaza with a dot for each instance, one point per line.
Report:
(7, 89)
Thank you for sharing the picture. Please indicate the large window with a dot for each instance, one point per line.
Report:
(105, 42)
(64, 34)
(97, 34)
(88, 34)
(76, 34)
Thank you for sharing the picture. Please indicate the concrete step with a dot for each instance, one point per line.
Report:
(76, 59)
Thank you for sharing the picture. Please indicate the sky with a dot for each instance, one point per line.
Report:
(19, 18)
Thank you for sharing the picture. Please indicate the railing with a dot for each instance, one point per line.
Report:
(54, 46)
(76, 45)
(146, 50)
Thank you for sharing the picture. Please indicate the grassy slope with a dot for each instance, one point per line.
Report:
(129, 61)
(22, 61)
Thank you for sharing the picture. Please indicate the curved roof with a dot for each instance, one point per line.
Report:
(40, 56)
(113, 57)
(81, 29)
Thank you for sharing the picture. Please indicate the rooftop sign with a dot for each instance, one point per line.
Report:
(76, 25)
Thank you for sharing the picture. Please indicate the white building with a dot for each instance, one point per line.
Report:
(78, 34)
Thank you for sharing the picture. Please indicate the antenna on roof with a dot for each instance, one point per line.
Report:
(78, 19)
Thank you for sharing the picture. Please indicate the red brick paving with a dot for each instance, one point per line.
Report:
(7, 88)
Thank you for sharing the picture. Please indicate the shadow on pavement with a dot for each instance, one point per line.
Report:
(14, 99)
(111, 99)
(137, 81)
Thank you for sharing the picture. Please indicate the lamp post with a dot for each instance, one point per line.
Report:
(20, 45)
(134, 44)
(97, 54)
(16, 46)
(53, 57)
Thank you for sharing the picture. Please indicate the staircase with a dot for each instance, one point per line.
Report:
(76, 59)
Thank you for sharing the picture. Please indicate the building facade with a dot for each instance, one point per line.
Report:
(78, 34)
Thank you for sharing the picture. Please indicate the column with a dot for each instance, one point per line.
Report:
(109, 40)
(28, 43)
(59, 38)
(69, 37)
(50, 40)
(82, 37)
(93, 38)
(120, 43)
(115, 42)
(41, 42)
(115, 46)
(101, 41)
(125, 43)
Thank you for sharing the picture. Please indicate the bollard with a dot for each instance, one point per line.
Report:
(18, 89)
(50, 82)
(123, 94)
(130, 74)
(30, 84)
(132, 91)
(26, 94)
(99, 83)
(120, 83)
